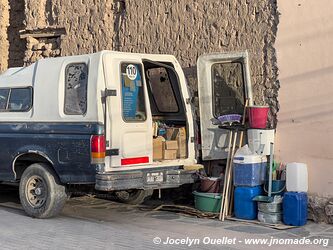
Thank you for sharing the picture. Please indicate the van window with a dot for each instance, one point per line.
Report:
(15, 99)
(133, 100)
(162, 91)
(228, 88)
(76, 80)
(4, 93)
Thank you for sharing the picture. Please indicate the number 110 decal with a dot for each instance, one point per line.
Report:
(131, 71)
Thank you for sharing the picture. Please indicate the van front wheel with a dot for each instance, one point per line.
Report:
(134, 197)
(41, 194)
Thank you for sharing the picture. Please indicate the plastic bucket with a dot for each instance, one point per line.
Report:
(207, 202)
(278, 187)
(258, 116)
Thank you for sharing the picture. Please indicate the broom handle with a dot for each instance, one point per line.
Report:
(239, 146)
(229, 175)
(225, 174)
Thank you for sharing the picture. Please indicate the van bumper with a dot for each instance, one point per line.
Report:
(166, 177)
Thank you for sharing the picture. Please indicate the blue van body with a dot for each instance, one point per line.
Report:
(65, 145)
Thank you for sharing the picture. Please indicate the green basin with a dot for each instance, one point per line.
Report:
(207, 202)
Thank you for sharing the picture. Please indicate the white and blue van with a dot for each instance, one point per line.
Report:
(88, 120)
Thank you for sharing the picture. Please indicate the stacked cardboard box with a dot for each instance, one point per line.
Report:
(179, 135)
(158, 148)
(172, 146)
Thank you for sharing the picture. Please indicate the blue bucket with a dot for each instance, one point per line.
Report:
(278, 187)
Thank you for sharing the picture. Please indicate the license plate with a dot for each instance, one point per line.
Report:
(154, 177)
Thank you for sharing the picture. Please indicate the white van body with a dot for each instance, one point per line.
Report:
(88, 119)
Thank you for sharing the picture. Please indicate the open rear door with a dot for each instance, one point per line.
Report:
(129, 117)
(224, 84)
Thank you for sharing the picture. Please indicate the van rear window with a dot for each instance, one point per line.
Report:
(76, 80)
(228, 88)
(15, 99)
(133, 100)
(161, 88)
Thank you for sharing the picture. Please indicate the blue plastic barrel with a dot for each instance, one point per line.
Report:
(245, 208)
(295, 208)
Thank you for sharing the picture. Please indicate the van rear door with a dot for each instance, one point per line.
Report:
(224, 84)
(129, 120)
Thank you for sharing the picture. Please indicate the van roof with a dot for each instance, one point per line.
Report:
(24, 76)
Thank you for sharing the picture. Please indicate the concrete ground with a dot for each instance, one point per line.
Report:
(92, 223)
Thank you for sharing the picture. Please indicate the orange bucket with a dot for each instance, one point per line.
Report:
(258, 116)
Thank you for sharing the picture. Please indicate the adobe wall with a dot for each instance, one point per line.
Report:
(184, 28)
(187, 29)
(88, 24)
(4, 22)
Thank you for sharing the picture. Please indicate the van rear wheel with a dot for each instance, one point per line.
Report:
(134, 197)
(41, 194)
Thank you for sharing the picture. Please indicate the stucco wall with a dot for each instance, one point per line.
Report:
(305, 60)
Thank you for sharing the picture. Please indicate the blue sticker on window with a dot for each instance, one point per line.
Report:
(131, 81)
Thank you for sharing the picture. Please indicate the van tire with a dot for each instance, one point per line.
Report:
(41, 194)
(134, 197)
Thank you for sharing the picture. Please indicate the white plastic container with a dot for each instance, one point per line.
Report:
(257, 137)
(297, 177)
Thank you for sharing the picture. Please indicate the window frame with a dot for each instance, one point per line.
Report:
(143, 89)
(8, 100)
(65, 92)
(213, 85)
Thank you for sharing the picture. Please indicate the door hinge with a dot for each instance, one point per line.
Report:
(112, 152)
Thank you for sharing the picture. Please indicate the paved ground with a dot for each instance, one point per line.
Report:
(91, 223)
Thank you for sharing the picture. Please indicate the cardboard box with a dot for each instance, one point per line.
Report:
(155, 129)
(170, 154)
(172, 133)
(182, 143)
(171, 144)
(158, 148)
(179, 135)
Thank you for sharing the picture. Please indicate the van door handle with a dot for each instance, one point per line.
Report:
(107, 93)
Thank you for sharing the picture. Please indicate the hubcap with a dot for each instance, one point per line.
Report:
(36, 191)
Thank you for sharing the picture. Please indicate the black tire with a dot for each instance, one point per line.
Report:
(134, 197)
(41, 194)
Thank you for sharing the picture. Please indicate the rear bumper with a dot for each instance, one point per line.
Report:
(139, 179)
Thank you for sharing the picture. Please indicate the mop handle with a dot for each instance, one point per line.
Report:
(270, 170)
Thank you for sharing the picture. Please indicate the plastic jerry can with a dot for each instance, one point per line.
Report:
(245, 208)
(297, 177)
(295, 208)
